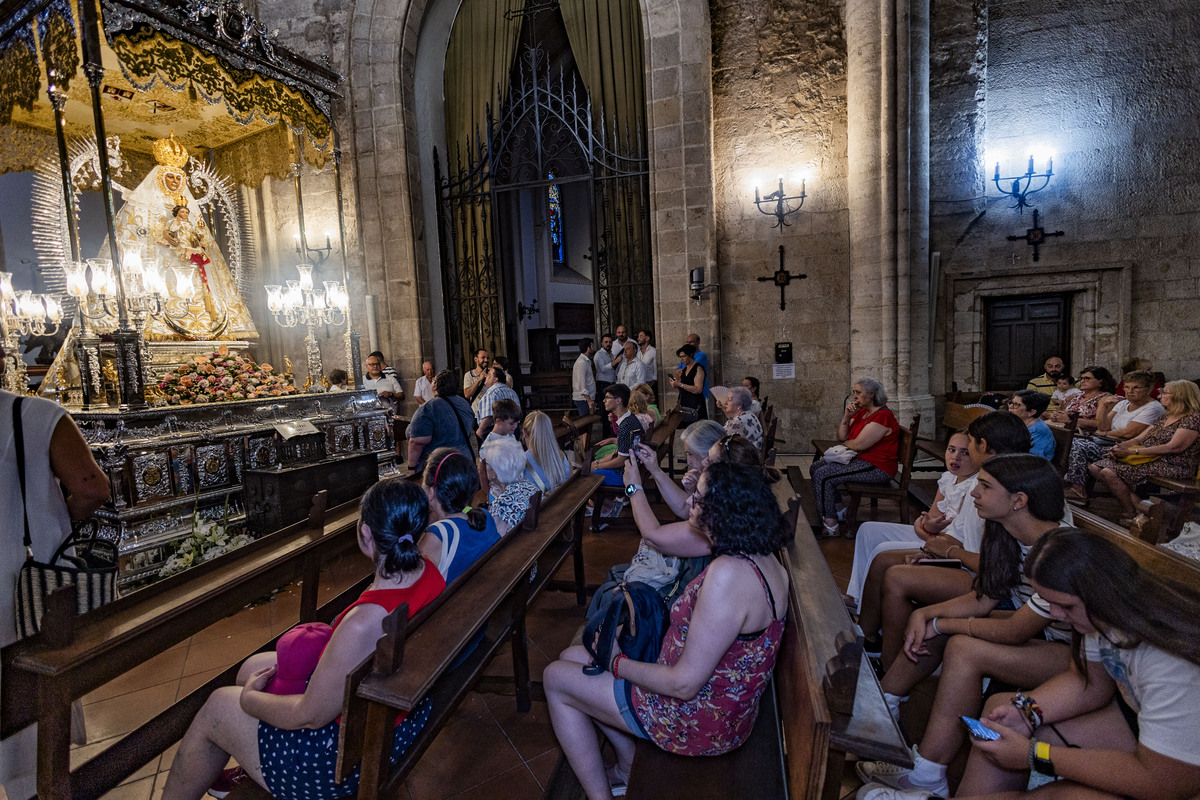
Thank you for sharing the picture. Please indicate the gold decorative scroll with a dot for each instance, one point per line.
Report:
(20, 77)
(147, 56)
(23, 147)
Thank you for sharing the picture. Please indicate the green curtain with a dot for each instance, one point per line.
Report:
(606, 38)
(478, 61)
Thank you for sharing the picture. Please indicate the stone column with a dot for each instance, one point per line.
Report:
(887, 90)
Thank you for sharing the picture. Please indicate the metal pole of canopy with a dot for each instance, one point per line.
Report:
(129, 351)
(353, 337)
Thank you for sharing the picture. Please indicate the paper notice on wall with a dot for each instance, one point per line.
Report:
(783, 372)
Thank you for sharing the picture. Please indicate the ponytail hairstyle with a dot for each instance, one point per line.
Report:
(455, 482)
(396, 511)
(1126, 603)
(1000, 553)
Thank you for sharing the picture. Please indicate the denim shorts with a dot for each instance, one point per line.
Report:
(623, 694)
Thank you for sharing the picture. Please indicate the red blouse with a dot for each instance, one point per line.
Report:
(884, 453)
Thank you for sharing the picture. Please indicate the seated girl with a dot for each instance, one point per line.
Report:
(1120, 722)
(458, 534)
(511, 490)
(647, 391)
(288, 743)
(875, 538)
(701, 696)
(640, 408)
(546, 464)
(1021, 499)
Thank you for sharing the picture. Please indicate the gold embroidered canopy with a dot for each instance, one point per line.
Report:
(206, 70)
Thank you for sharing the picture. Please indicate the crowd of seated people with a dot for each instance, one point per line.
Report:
(993, 589)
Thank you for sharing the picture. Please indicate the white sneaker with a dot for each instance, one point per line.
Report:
(894, 777)
(877, 791)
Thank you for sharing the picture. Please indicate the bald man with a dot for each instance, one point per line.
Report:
(423, 391)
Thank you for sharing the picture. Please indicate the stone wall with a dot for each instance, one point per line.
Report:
(1111, 90)
(779, 107)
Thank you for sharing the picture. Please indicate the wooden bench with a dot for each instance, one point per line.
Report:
(897, 489)
(1159, 560)
(823, 702)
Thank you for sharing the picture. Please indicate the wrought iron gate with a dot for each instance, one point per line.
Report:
(546, 127)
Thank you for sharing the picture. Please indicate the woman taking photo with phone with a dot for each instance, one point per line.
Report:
(1124, 720)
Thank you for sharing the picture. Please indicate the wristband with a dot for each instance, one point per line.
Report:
(1029, 709)
(1039, 758)
(950, 549)
(616, 664)
(933, 622)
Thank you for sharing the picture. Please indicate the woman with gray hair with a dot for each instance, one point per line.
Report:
(870, 429)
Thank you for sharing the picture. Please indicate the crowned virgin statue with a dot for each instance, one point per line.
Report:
(166, 226)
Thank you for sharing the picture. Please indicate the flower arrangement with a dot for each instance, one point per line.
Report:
(220, 377)
(208, 539)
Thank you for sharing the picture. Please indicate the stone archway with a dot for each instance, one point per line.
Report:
(384, 125)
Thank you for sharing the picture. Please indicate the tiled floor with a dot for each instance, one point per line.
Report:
(487, 749)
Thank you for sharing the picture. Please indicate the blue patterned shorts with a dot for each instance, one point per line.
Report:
(300, 764)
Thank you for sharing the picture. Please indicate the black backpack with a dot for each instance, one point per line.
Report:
(629, 618)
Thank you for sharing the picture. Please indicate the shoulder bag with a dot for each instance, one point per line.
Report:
(92, 569)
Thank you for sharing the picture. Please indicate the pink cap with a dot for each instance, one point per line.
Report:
(298, 652)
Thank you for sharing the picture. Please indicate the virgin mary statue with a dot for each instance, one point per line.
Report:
(164, 224)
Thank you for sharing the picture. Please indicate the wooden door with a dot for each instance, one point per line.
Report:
(1020, 334)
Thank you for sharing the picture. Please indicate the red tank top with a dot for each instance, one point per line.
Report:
(428, 586)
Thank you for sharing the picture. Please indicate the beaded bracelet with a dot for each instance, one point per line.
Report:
(1029, 709)
(616, 662)
(969, 621)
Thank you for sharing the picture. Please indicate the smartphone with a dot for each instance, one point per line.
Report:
(978, 730)
(637, 440)
(952, 563)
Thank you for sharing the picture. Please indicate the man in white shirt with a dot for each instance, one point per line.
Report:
(386, 386)
(423, 391)
(618, 345)
(603, 359)
(583, 382)
(648, 356)
(474, 380)
(631, 371)
(388, 372)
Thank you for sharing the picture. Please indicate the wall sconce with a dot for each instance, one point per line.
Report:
(778, 203)
(1021, 184)
(525, 312)
(317, 256)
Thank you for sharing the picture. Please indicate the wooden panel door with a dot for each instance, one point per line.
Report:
(1020, 334)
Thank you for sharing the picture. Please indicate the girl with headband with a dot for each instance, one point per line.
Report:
(459, 534)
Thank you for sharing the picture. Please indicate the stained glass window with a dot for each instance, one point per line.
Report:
(556, 224)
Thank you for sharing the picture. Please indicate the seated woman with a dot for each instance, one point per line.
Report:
(641, 409)
(506, 460)
(1020, 496)
(1127, 705)
(647, 391)
(875, 538)
(1095, 383)
(895, 581)
(701, 697)
(1028, 406)
(1117, 420)
(288, 743)
(1170, 448)
(458, 534)
(870, 429)
(545, 462)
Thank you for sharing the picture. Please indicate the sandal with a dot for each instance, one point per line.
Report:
(823, 531)
(617, 783)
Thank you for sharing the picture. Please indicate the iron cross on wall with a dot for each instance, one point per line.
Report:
(1036, 236)
(782, 278)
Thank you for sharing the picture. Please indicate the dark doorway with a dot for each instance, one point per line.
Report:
(1021, 333)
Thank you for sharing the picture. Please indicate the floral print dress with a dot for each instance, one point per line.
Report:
(722, 714)
(1171, 465)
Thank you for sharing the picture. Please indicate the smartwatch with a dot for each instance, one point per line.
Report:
(632, 489)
